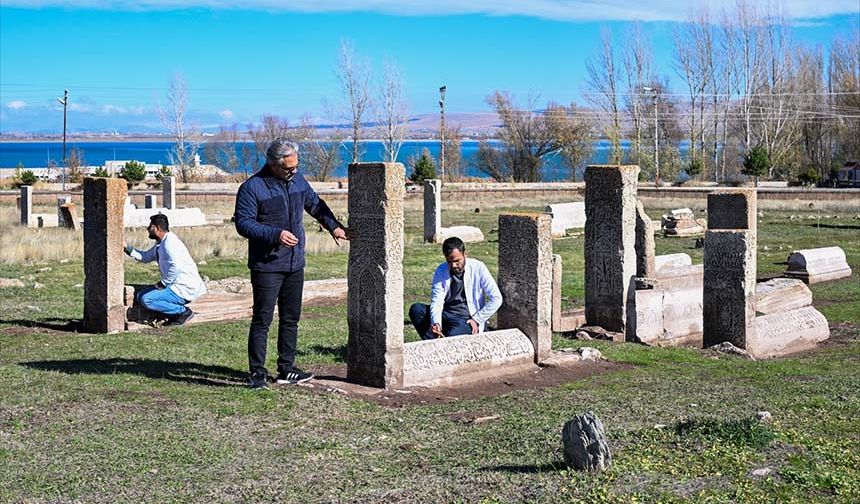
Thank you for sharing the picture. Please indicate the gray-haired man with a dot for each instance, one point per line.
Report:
(269, 210)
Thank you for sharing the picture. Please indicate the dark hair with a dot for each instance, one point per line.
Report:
(160, 221)
(452, 243)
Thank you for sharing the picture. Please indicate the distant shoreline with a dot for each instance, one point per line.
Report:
(74, 140)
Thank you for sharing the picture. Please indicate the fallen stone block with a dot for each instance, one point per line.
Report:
(469, 234)
(566, 216)
(818, 265)
(672, 261)
(788, 332)
(781, 295)
(456, 360)
(178, 217)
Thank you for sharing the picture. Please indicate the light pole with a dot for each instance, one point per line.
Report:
(64, 101)
(442, 128)
(656, 137)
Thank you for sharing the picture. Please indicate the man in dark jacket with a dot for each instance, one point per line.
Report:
(269, 211)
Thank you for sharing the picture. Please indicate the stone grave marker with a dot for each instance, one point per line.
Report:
(70, 216)
(645, 261)
(728, 298)
(432, 210)
(168, 189)
(27, 206)
(62, 200)
(150, 201)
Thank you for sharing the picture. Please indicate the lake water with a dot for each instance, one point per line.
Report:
(38, 154)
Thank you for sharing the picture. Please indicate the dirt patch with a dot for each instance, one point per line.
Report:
(331, 378)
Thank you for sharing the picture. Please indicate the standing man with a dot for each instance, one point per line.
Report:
(269, 211)
(180, 282)
(463, 297)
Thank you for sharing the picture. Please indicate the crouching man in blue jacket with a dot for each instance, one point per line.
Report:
(269, 211)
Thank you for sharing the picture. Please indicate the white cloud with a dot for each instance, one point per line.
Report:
(568, 10)
(16, 104)
(226, 114)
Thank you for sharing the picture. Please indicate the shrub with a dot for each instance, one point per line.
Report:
(695, 167)
(164, 172)
(26, 177)
(102, 172)
(133, 172)
(423, 168)
(809, 176)
(756, 162)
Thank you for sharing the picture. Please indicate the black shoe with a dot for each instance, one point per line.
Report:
(292, 377)
(181, 319)
(257, 381)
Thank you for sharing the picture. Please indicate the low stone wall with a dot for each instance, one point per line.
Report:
(769, 198)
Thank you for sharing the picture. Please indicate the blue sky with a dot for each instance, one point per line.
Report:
(278, 57)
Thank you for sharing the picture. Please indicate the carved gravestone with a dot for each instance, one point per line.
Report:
(525, 278)
(610, 244)
(27, 206)
(168, 189)
(70, 216)
(375, 275)
(584, 444)
(733, 209)
(645, 265)
(62, 200)
(103, 255)
(728, 297)
(150, 201)
(432, 210)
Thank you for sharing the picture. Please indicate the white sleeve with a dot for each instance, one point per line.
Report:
(437, 296)
(491, 292)
(144, 256)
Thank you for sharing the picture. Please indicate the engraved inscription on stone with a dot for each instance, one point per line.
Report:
(728, 298)
(432, 210)
(456, 351)
(787, 332)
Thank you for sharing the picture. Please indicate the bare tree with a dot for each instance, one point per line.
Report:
(322, 154)
(269, 129)
(222, 150)
(573, 135)
(454, 168)
(637, 69)
(527, 138)
(353, 76)
(694, 63)
(843, 76)
(603, 81)
(74, 165)
(394, 116)
(186, 140)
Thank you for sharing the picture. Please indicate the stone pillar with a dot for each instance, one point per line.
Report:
(168, 188)
(645, 266)
(733, 209)
(150, 201)
(103, 255)
(62, 200)
(728, 297)
(432, 210)
(27, 206)
(375, 275)
(610, 241)
(70, 216)
(557, 272)
(525, 278)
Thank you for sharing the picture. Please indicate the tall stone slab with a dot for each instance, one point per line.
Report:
(728, 297)
(645, 256)
(26, 206)
(375, 275)
(103, 255)
(62, 200)
(525, 278)
(168, 189)
(734, 209)
(610, 244)
(432, 210)
(150, 201)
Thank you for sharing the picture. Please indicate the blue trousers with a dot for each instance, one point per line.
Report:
(419, 315)
(161, 300)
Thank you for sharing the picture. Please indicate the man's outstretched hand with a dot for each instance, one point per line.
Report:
(342, 234)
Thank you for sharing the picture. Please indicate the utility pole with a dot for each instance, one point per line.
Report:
(65, 102)
(656, 138)
(442, 128)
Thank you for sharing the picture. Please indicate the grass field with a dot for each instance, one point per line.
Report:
(161, 415)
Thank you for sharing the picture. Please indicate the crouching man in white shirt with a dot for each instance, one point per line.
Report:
(180, 282)
(463, 297)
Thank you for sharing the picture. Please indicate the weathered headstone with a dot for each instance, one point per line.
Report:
(780, 295)
(103, 255)
(566, 216)
(584, 444)
(788, 332)
(452, 361)
(732, 209)
(168, 188)
(375, 275)
(525, 278)
(62, 200)
(672, 260)
(70, 216)
(150, 201)
(432, 210)
(818, 265)
(610, 244)
(27, 206)
(645, 262)
(728, 298)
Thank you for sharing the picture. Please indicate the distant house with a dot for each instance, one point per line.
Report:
(848, 175)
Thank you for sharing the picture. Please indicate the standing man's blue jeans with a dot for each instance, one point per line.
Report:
(161, 300)
(419, 315)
